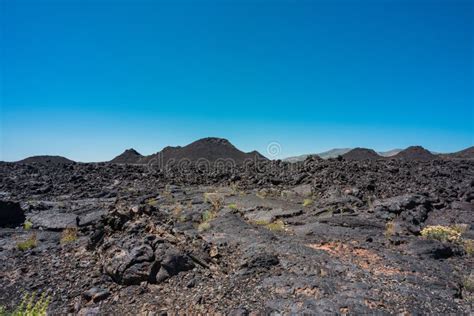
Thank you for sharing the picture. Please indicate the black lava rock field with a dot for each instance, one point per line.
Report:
(325, 237)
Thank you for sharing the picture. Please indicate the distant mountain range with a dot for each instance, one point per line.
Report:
(209, 149)
(212, 149)
(413, 152)
(333, 153)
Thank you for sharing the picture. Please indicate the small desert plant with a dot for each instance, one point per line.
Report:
(468, 283)
(232, 206)
(263, 193)
(234, 188)
(442, 233)
(389, 229)
(278, 225)
(177, 209)
(31, 306)
(460, 228)
(370, 201)
(27, 225)
(167, 193)
(261, 222)
(468, 245)
(204, 226)
(29, 243)
(208, 216)
(307, 202)
(215, 199)
(152, 202)
(68, 235)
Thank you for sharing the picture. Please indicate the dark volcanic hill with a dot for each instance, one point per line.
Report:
(415, 153)
(128, 156)
(467, 153)
(46, 160)
(210, 149)
(361, 154)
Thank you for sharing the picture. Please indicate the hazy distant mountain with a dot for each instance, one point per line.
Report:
(46, 160)
(333, 153)
(389, 153)
(210, 149)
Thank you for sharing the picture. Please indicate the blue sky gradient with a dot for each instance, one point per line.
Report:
(88, 79)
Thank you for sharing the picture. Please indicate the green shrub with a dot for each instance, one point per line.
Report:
(307, 202)
(442, 233)
(31, 306)
(27, 225)
(232, 206)
(29, 243)
(208, 216)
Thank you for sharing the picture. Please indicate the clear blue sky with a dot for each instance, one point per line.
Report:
(88, 79)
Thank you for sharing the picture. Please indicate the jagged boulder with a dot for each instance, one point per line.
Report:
(409, 211)
(11, 214)
(132, 260)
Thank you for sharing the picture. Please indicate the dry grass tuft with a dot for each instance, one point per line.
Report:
(68, 235)
(389, 229)
(276, 226)
(215, 199)
(29, 243)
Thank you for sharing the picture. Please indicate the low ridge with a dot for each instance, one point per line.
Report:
(467, 153)
(44, 159)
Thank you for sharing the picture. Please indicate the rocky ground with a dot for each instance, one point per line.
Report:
(321, 236)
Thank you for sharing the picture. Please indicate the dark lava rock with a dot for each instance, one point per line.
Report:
(96, 294)
(241, 311)
(11, 214)
(335, 256)
(133, 260)
(262, 260)
(408, 212)
(433, 248)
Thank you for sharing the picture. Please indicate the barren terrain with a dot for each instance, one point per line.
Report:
(320, 236)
